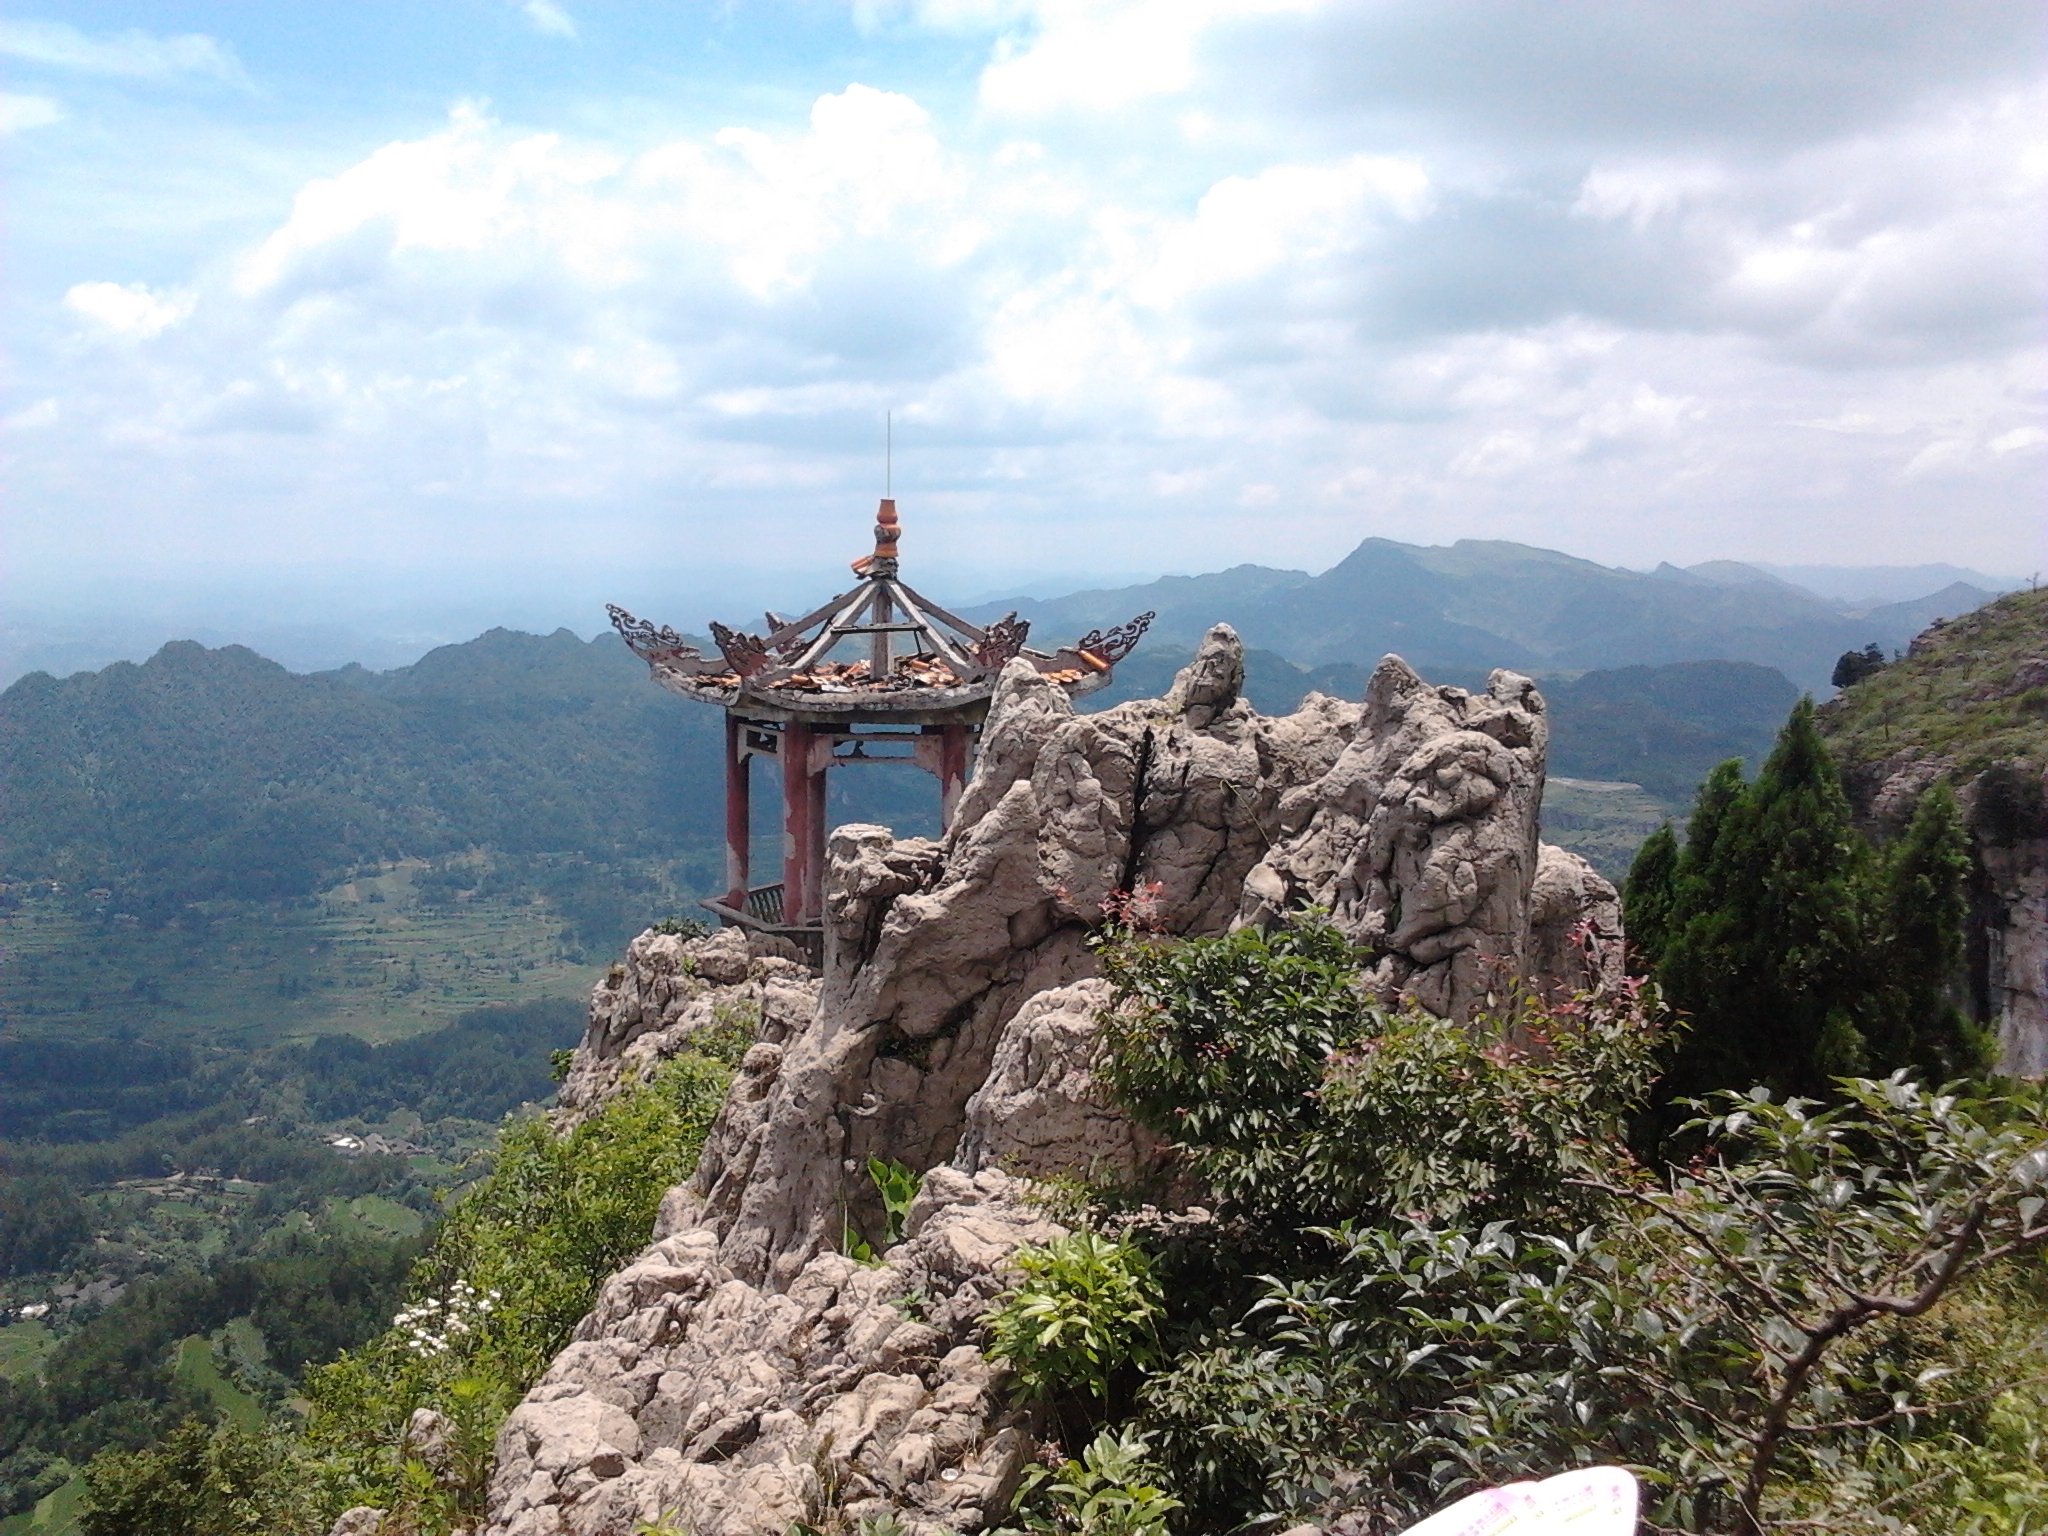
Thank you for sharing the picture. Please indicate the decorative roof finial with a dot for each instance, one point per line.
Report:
(883, 561)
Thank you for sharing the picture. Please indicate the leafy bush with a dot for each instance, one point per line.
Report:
(1109, 1491)
(1437, 1266)
(1296, 1103)
(1087, 1306)
(512, 1270)
(198, 1481)
(1757, 1340)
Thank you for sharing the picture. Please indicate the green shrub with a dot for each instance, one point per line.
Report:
(1087, 1306)
(1297, 1104)
(199, 1481)
(1436, 1266)
(513, 1268)
(1109, 1491)
(1760, 1341)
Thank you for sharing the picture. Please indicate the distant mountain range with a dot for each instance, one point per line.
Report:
(214, 773)
(1855, 588)
(1459, 610)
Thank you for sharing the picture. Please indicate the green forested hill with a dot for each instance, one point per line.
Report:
(215, 775)
(205, 774)
(1972, 693)
(1665, 728)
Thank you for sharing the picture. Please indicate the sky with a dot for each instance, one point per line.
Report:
(489, 310)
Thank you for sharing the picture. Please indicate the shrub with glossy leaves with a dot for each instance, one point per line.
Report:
(1764, 1341)
(1110, 1490)
(1087, 1306)
(1297, 1103)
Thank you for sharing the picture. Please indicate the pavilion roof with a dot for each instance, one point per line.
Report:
(918, 655)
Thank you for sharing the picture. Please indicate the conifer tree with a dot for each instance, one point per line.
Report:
(1921, 911)
(1647, 896)
(1765, 940)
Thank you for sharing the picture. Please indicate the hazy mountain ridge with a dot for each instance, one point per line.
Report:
(1476, 604)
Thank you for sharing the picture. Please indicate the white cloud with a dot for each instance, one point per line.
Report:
(42, 414)
(133, 53)
(128, 310)
(1246, 227)
(19, 112)
(1099, 55)
(548, 17)
(1107, 333)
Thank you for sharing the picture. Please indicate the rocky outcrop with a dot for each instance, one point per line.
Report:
(693, 1397)
(1968, 704)
(671, 987)
(1040, 1112)
(2006, 958)
(1575, 934)
(931, 949)
(2010, 965)
(745, 1374)
(1421, 840)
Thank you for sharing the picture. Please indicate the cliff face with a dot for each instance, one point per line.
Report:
(743, 1374)
(1969, 703)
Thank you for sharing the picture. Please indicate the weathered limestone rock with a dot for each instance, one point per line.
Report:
(363, 1520)
(693, 1396)
(931, 949)
(742, 1375)
(669, 988)
(1421, 840)
(1040, 1111)
(2007, 952)
(2013, 970)
(1575, 937)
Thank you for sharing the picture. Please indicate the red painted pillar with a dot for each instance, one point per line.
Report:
(738, 812)
(801, 832)
(814, 888)
(954, 742)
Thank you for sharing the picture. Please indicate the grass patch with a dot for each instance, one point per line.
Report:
(386, 1216)
(1957, 699)
(198, 1370)
(56, 1515)
(23, 1347)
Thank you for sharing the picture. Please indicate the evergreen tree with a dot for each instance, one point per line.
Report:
(1766, 939)
(1647, 897)
(1921, 912)
(1854, 666)
(1795, 951)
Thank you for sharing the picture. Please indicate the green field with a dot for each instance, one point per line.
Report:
(22, 1348)
(57, 1515)
(198, 1370)
(369, 957)
(385, 1217)
(1604, 822)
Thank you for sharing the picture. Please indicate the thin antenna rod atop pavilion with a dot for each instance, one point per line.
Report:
(889, 453)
